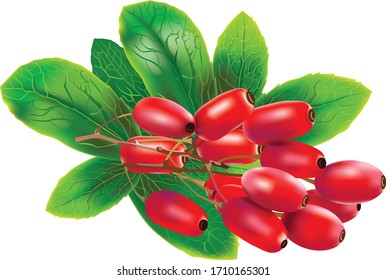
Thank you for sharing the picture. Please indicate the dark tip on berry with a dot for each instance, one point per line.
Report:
(284, 243)
(250, 98)
(342, 235)
(359, 206)
(260, 149)
(383, 181)
(322, 162)
(203, 225)
(214, 194)
(305, 200)
(311, 115)
(190, 127)
(184, 160)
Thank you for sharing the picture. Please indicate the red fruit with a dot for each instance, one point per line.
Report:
(279, 121)
(228, 191)
(345, 212)
(163, 117)
(223, 113)
(274, 189)
(298, 159)
(254, 224)
(176, 212)
(234, 144)
(314, 227)
(141, 154)
(350, 182)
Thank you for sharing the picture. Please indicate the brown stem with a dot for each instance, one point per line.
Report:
(190, 155)
(239, 156)
(97, 131)
(133, 187)
(223, 198)
(197, 194)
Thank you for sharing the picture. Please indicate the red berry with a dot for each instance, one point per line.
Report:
(274, 189)
(350, 182)
(254, 224)
(176, 212)
(141, 154)
(298, 159)
(314, 227)
(231, 147)
(163, 117)
(279, 121)
(223, 113)
(345, 212)
(228, 191)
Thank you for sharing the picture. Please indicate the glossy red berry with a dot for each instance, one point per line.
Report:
(223, 113)
(350, 182)
(176, 212)
(279, 121)
(163, 117)
(274, 189)
(298, 159)
(254, 224)
(345, 212)
(314, 227)
(233, 148)
(145, 153)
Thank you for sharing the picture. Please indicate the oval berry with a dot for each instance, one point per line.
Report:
(223, 113)
(233, 148)
(254, 224)
(314, 227)
(350, 182)
(274, 189)
(176, 212)
(163, 117)
(345, 212)
(145, 153)
(298, 159)
(279, 121)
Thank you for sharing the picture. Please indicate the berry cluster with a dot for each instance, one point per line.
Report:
(266, 205)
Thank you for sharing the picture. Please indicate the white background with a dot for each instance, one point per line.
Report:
(346, 38)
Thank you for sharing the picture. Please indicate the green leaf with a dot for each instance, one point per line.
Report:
(337, 101)
(90, 188)
(168, 51)
(112, 67)
(241, 57)
(64, 100)
(215, 243)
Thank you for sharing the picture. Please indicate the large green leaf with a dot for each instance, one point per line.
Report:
(215, 243)
(337, 101)
(241, 57)
(110, 64)
(168, 51)
(90, 188)
(64, 100)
